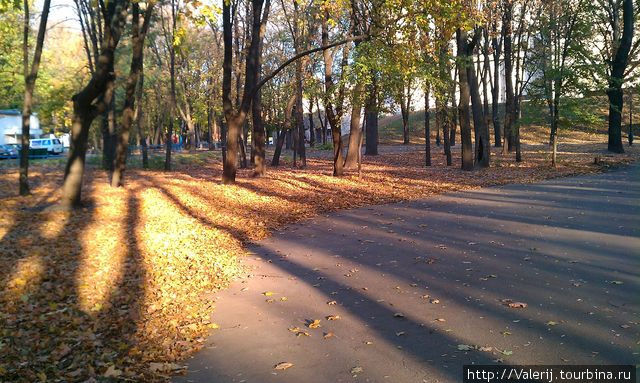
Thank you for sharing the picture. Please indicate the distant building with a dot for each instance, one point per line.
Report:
(11, 126)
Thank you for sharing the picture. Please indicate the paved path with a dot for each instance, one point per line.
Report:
(568, 248)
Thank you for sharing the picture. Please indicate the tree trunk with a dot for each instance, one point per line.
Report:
(30, 76)
(355, 130)
(618, 66)
(137, 41)
(482, 146)
(85, 107)
(463, 105)
(259, 136)
(454, 110)
(427, 128)
(275, 161)
(283, 133)
(312, 129)
(139, 123)
(495, 92)
(371, 120)
(234, 125)
(630, 133)
(508, 75)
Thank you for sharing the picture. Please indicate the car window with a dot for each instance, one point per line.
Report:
(47, 142)
(35, 143)
(56, 141)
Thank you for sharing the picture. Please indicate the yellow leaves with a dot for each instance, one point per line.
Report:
(314, 323)
(333, 317)
(268, 293)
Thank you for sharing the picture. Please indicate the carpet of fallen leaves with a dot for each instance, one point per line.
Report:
(121, 288)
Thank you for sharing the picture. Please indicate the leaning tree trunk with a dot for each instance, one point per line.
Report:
(137, 38)
(275, 161)
(30, 76)
(89, 102)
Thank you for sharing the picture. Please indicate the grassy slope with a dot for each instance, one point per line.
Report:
(585, 116)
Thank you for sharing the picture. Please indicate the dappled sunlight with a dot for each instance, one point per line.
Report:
(27, 275)
(101, 262)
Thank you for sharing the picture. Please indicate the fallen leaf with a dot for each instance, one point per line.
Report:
(331, 303)
(552, 323)
(398, 315)
(333, 317)
(268, 293)
(314, 324)
(327, 335)
(282, 366)
(356, 370)
(465, 347)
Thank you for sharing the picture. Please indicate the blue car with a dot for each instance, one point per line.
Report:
(8, 151)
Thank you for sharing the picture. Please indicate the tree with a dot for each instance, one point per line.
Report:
(618, 46)
(138, 34)
(235, 116)
(465, 49)
(30, 76)
(92, 100)
(562, 31)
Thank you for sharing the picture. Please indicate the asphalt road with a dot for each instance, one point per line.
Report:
(423, 287)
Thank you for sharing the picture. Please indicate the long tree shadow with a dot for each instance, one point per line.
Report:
(68, 314)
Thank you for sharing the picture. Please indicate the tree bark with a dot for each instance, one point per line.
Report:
(371, 120)
(355, 130)
(495, 90)
(508, 74)
(463, 103)
(85, 108)
(481, 129)
(30, 76)
(427, 128)
(138, 35)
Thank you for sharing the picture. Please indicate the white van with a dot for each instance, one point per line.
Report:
(53, 145)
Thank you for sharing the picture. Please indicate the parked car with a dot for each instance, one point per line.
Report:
(8, 151)
(53, 145)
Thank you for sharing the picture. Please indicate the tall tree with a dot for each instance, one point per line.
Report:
(30, 76)
(138, 33)
(465, 49)
(617, 62)
(91, 100)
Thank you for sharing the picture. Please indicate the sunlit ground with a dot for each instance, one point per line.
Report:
(122, 283)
